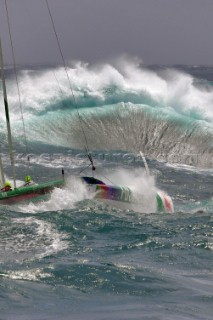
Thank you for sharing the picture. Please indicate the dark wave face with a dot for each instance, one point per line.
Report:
(165, 112)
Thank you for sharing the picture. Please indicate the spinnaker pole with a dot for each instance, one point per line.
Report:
(11, 149)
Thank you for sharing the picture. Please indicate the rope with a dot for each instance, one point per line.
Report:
(16, 76)
(70, 86)
(84, 168)
(107, 178)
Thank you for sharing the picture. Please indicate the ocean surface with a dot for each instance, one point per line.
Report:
(70, 256)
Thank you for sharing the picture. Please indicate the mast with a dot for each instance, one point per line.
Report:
(11, 150)
(2, 179)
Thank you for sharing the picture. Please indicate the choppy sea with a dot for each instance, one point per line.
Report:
(72, 257)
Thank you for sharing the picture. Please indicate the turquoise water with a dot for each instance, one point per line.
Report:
(71, 257)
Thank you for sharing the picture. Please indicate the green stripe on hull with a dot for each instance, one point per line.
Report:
(125, 194)
(160, 204)
(34, 190)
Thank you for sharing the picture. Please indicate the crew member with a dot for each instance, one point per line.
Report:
(28, 182)
(7, 187)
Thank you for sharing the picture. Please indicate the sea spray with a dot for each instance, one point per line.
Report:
(122, 106)
(142, 186)
(60, 199)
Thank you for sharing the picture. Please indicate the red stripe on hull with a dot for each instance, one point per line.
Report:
(18, 198)
(27, 196)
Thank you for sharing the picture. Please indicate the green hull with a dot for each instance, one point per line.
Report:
(27, 193)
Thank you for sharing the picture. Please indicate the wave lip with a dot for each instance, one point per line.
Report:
(122, 106)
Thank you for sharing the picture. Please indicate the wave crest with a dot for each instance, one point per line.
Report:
(123, 106)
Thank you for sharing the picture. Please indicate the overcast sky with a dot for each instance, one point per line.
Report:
(157, 31)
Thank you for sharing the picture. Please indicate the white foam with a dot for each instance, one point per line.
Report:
(167, 89)
(45, 239)
(60, 199)
(143, 187)
(29, 239)
(30, 275)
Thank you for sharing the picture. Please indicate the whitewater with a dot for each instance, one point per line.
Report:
(167, 112)
(73, 257)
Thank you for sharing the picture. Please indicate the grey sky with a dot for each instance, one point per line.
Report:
(158, 31)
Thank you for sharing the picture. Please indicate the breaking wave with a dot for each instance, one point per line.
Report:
(123, 106)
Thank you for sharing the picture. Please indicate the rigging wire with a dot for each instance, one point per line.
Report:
(101, 174)
(85, 168)
(17, 82)
(70, 86)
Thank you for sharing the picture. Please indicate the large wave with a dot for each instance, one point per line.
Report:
(122, 105)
